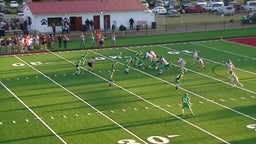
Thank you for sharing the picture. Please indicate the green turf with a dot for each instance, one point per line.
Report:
(141, 106)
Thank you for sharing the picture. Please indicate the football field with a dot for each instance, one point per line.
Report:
(42, 101)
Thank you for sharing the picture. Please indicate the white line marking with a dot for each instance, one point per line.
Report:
(168, 105)
(27, 120)
(252, 96)
(214, 77)
(245, 115)
(52, 117)
(112, 111)
(88, 114)
(76, 115)
(147, 107)
(14, 122)
(201, 102)
(48, 127)
(1, 123)
(230, 53)
(135, 109)
(70, 92)
(123, 110)
(232, 99)
(243, 98)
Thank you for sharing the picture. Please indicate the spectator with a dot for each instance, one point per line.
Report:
(131, 21)
(60, 40)
(92, 39)
(65, 41)
(113, 38)
(101, 41)
(53, 28)
(82, 40)
(113, 28)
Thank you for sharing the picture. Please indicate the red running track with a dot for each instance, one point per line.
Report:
(250, 41)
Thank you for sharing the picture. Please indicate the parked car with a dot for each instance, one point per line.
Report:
(194, 9)
(250, 18)
(172, 13)
(201, 2)
(250, 6)
(5, 9)
(159, 10)
(185, 3)
(238, 8)
(13, 4)
(213, 6)
(2, 3)
(227, 10)
(177, 7)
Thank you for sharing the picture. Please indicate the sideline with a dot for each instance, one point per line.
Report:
(70, 92)
(48, 127)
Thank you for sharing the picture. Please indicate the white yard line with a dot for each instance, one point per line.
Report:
(70, 92)
(224, 51)
(48, 127)
(245, 115)
(250, 91)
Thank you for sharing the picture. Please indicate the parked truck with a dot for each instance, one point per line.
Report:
(250, 5)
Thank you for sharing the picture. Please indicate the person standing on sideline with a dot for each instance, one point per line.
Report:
(60, 40)
(90, 64)
(113, 38)
(92, 40)
(82, 40)
(101, 41)
(185, 103)
(65, 41)
(131, 21)
(53, 28)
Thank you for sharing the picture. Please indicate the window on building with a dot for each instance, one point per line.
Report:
(57, 21)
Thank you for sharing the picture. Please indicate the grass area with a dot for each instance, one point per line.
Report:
(41, 101)
(166, 38)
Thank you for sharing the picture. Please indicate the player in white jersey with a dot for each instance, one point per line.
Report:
(195, 55)
(234, 79)
(229, 66)
(181, 63)
(200, 63)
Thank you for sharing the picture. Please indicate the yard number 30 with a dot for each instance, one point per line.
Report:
(151, 139)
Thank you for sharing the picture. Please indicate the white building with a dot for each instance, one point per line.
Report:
(103, 13)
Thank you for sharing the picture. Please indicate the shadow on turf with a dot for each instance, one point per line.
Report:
(19, 140)
(126, 125)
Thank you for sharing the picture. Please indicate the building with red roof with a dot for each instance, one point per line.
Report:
(102, 14)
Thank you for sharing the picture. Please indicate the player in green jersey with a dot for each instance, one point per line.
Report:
(83, 58)
(178, 78)
(77, 72)
(127, 65)
(185, 103)
(138, 59)
(111, 74)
